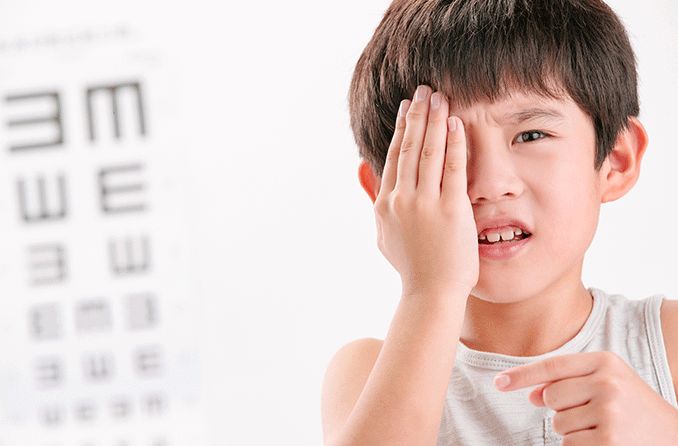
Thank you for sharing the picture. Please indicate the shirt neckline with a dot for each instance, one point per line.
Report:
(499, 361)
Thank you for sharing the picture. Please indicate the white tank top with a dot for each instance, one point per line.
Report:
(476, 413)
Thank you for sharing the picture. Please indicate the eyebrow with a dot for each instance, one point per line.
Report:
(547, 114)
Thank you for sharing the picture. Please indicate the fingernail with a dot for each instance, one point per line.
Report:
(435, 100)
(420, 94)
(404, 106)
(452, 123)
(501, 381)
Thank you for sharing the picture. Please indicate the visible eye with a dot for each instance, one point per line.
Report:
(532, 135)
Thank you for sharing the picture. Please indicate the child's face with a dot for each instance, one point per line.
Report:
(545, 179)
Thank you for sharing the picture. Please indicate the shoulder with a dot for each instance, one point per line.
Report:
(669, 320)
(345, 377)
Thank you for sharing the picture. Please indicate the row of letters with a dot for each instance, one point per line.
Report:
(48, 262)
(50, 372)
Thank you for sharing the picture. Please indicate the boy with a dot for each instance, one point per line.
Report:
(487, 216)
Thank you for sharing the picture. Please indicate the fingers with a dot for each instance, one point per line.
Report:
(433, 150)
(425, 148)
(454, 171)
(410, 149)
(388, 176)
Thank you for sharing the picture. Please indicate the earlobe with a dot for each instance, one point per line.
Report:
(622, 166)
(368, 180)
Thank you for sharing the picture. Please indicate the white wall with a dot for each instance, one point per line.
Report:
(256, 200)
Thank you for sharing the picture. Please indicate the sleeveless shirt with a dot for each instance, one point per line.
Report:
(476, 413)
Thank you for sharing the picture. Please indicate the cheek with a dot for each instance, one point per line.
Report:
(568, 210)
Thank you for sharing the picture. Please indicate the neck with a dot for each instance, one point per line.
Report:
(530, 326)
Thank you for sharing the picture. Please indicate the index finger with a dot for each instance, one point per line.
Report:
(551, 369)
(389, 175)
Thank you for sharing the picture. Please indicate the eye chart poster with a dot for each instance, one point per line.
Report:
(96, 319)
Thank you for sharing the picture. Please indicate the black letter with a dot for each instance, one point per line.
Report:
(43, 213)
(120, 407)
(135, 258)
(45, 321)
(155, 403)
(142, 311)
(47, 259)
(55, 118)
(148, 361)
(51, 415)
(85, 411)
(106, 190)
(112, 90)
(98, 367)
(93, 315)
(48, 372)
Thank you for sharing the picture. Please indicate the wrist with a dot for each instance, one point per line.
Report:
(449, 292)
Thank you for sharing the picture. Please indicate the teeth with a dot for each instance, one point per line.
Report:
(493, 237)
(508, 235)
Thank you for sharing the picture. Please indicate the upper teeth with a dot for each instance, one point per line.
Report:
(495, 236)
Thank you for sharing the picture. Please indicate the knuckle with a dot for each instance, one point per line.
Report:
(610, 386)
(456, 142)
(551, 366)
(380, 206)
(401, 203)
(435, 119)
(422, 204)
(392, 155)
(427, 152)
(415, 114)
(548, 397)
(408, 145)
(453, 165)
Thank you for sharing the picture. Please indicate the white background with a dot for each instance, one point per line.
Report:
(284, 263)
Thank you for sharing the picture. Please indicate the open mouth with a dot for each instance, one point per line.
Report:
(516, 238)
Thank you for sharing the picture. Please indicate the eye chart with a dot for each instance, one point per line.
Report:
(97, 314)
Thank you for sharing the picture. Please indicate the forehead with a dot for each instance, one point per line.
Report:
(517, 106)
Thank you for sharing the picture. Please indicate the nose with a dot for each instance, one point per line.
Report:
(492, 173)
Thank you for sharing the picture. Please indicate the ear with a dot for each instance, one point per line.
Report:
(621, 168)
(368, 180)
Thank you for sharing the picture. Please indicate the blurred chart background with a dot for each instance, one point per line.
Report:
(183, 239)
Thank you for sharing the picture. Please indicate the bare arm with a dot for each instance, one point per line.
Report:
(393, 394)
(426, 229)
